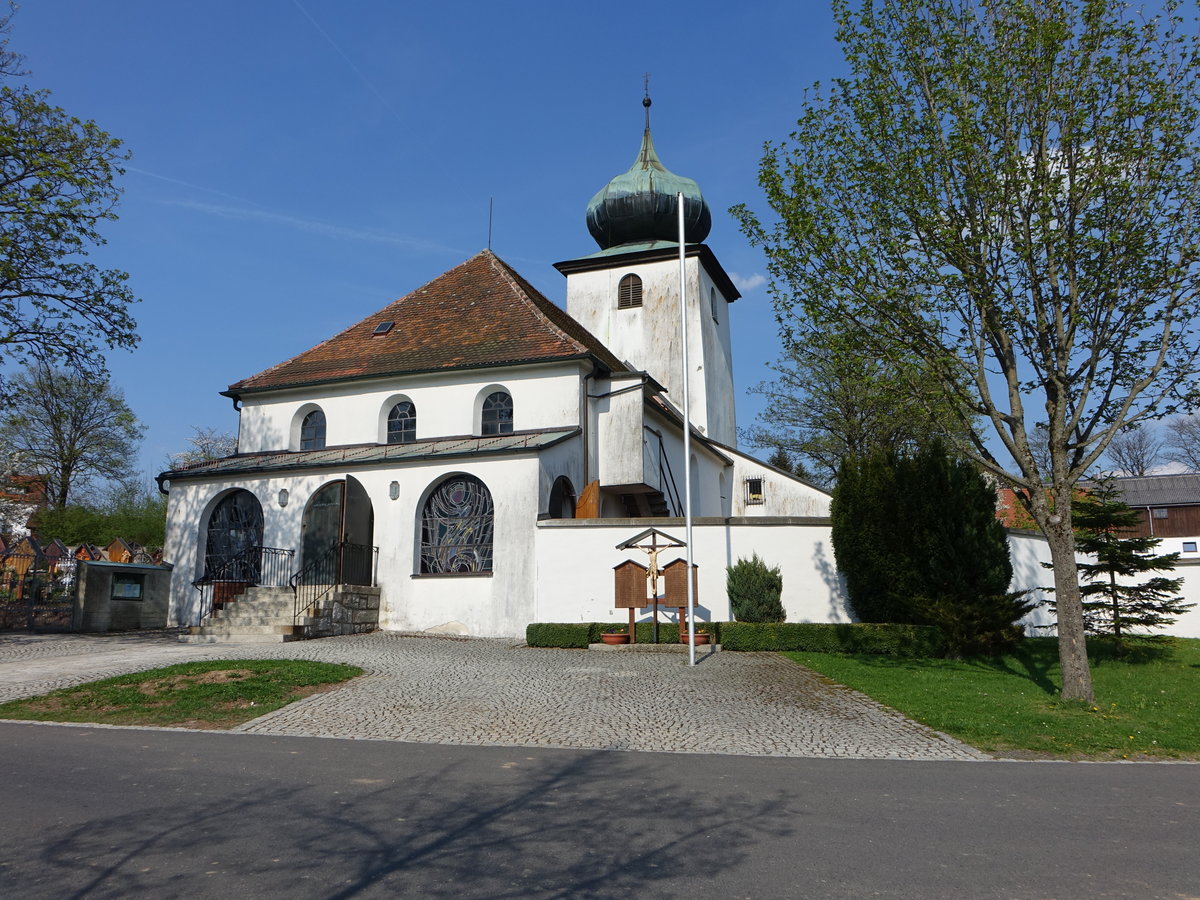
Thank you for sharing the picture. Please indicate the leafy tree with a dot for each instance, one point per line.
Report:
(917, 540)
(831, 400)
(1183, 441)
(57, 186)
(1111, 605)
(1136, 451)
(68, 429)
(1010, 187)
(755, 591)
(205, 445)
(139, 517)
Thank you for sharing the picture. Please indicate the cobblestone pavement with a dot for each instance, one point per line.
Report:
(499, 692)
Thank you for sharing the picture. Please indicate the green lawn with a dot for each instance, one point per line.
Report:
(1146, 706)
(212, 694)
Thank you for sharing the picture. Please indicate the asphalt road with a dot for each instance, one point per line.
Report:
(95, 812)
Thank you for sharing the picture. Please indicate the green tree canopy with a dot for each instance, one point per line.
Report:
(1011, 188)
(831, 400)
(57, 186)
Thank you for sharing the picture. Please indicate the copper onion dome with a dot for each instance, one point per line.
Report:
(639, 205)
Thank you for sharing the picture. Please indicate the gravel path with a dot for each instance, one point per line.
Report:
(451, 690)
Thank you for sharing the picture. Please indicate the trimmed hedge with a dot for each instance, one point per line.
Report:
(821, 637)
(580, 634)
(885, 640)
(558, 634)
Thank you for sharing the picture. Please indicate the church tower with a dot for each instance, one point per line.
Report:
(627, 294)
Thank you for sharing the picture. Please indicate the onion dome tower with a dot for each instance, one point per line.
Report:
(627, 293)
(638, 206)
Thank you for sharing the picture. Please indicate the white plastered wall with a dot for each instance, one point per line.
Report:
(782, 494)
(648, 338)
(1030, 550)
(575, 561)
(447, 405)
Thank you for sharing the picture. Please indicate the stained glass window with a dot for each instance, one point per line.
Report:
(236, 525)
(497, 415)
(456, 528)
(312, 431)
(402, 423)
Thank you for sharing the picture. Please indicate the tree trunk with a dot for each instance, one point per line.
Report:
(1072, 646)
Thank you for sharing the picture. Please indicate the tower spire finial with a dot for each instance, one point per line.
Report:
(646, 97)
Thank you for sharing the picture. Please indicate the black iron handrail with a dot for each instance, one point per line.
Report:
(342, 563)
(669, 479)
(252, 567)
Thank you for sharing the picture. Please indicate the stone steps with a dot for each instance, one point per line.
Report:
(238, 638)
(260, 615)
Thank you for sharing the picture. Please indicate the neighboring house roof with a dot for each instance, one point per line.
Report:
(479, 314)
(1160, 490)
(24, 489)
(441, 448)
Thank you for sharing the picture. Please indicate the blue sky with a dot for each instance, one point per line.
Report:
(298, 164)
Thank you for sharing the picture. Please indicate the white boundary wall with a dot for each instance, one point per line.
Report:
(1030, 550)
(575, 560)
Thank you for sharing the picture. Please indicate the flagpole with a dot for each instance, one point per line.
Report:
(687, 438)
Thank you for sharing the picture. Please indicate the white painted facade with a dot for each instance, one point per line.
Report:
(648, 336)
(623, 442)
(447, 404)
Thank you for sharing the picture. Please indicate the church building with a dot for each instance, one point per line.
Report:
(477, 453)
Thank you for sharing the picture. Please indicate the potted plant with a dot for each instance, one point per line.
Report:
(702, 636)
(615, 634)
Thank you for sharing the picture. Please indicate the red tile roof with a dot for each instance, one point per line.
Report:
(480, 313)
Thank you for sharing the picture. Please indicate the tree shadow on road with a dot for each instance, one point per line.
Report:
(517, 822)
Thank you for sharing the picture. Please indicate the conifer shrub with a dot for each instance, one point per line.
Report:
(1114, 603)
(917, 541)
(755, 591)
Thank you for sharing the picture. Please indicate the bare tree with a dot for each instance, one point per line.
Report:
(1136, 451)
(68, 429)
(205, 444)
(1183, 441)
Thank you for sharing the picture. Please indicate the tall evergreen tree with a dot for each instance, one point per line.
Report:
(917, 539)
(1111, 604)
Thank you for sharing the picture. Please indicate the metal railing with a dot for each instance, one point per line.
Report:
(253, 567)
(667, 478)
(342, 563)
(37, 592)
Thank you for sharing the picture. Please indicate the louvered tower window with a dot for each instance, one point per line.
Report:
(629, 292)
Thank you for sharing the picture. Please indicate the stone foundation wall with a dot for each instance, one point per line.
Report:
(350, 609)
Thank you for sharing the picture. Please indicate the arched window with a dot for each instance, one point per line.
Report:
(312, 431)
(629, 292)
(236, 525)
(562, 499)
(456, 528)
(497, 416)
(402, 423)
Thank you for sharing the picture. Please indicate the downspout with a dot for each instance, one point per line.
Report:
(585, 418)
